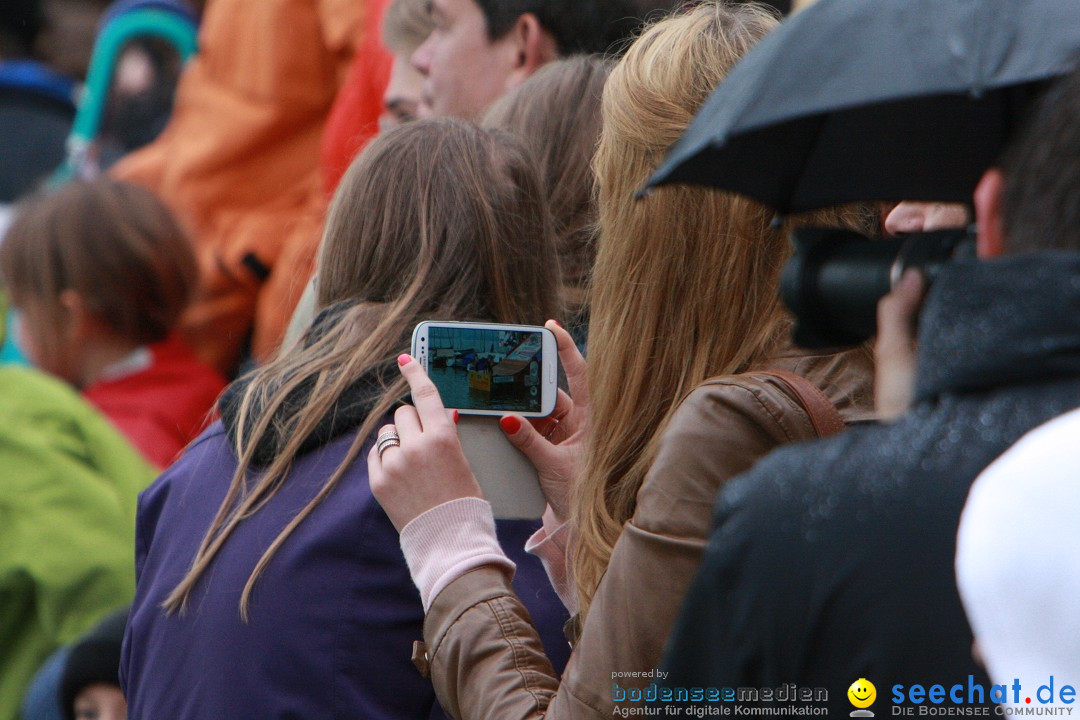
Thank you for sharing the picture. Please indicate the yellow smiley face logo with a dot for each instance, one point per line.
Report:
(862, 693)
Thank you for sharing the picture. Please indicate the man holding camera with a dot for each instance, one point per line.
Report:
(833, 562)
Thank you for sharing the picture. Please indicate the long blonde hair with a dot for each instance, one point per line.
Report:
(435, 219)
(685, 285)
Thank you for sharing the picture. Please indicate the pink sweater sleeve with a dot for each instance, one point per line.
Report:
(448, 541)
(551, 544)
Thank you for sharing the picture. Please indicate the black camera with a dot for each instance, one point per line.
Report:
(834, 279)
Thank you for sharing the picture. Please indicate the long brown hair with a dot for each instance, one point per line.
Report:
(685, 285)
(434, 220)
(556, 113)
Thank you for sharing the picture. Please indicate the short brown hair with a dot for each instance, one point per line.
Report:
(115, 244)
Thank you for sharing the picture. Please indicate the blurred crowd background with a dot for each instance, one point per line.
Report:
(221, 219)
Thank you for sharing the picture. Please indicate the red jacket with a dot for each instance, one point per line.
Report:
(164, 405)
(354, 118)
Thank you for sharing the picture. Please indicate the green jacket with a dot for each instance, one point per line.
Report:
(68, 489)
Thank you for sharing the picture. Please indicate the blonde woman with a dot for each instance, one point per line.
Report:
(681, 393)
(270, 583)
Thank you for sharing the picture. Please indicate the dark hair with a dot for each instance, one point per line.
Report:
(578, 26)
(1041, 198)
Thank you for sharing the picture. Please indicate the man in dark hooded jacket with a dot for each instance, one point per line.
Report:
(832, 563)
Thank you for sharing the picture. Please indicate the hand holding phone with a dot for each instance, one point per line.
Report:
(556, 445)
(483, 369)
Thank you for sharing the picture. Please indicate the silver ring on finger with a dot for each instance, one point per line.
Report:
(388, 439)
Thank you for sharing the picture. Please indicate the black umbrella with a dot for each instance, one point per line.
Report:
(876, 100)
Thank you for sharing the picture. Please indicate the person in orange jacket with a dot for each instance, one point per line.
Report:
(239, 162)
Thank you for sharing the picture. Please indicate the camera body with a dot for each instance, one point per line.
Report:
(834, 279)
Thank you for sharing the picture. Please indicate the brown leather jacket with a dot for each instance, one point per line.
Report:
(483, 655)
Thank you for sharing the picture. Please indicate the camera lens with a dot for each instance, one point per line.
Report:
(834, 279)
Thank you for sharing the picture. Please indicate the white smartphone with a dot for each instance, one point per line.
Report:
(488, 368)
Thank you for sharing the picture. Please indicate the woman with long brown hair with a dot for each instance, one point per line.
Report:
(691, 379)
(270, 584)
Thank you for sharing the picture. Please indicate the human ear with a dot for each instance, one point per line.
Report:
(990, 240)
(79, 323)
(533, 47)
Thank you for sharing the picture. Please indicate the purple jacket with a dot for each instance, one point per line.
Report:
(333, 616)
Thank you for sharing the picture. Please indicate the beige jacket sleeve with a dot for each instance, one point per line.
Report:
(486, 660)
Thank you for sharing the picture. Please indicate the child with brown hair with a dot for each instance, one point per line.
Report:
(100, 272)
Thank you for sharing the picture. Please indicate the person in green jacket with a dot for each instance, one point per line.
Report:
(68, 489)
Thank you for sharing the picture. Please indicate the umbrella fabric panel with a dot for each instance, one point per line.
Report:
(862, 99)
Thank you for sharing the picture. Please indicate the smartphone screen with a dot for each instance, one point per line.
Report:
(489, 369)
